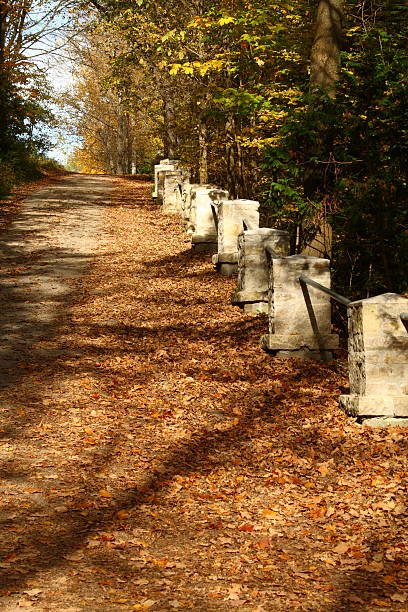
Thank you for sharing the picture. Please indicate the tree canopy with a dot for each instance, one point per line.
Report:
(300, 104)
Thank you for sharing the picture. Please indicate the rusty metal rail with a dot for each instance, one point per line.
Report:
(305, 280)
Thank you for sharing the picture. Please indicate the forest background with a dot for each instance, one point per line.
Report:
(300, 104)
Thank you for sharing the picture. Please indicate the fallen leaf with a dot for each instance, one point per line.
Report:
(400, 597)
(123, 514)
(270, 513)
(355, 599)
(323, 469)
(374, 566)
(76, 556)
(247, 528)
(341, 548)
(33, 592)
(380, 602)
(263, 543)
(104, 493)
(145, 605)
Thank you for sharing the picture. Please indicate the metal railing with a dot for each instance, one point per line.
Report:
(305, 280)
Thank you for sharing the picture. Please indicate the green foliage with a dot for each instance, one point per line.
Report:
(346, 160)
(22, 129)
(238, 73)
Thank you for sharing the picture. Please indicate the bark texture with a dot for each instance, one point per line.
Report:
(325, 54)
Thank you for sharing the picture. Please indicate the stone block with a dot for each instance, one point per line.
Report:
(378, 357)
(233, 217)
(165, 164)
(186, 196)
(172, 202)
(377, 422)
(253, 269)
(290, 328)
(204, 201)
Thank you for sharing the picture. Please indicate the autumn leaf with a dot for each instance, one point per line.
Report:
(123, 514)
(104, 493)
(381, 603)
(341, 548)
(246, 527)
(270, 513)
(148, 603)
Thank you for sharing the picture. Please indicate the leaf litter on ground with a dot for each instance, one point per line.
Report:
(168, 463)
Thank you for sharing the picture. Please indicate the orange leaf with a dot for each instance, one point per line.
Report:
(123, 514)
(269, 513)
(380, 602)
(263, 543)
(105, 493)
(247, 528)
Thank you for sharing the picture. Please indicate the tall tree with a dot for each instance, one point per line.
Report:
(325, 53)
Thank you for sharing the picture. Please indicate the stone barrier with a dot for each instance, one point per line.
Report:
(253, 266)
(186, 195)
(204, 203)
(159, 169)
(190, 213)
(378, 358)
(233, 216)
(290, 327)
(173, 180)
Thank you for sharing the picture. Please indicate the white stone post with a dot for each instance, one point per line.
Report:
(233, 217)
(290, 328)
(159, 169)
(203, 219)
(378, 358)
(253, 266)
(186, 198)
(190, 206)
(172, 190)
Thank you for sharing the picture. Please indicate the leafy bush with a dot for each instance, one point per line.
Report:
(345, 161)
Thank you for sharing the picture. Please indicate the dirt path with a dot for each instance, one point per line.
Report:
(154, 458)
(50, 243)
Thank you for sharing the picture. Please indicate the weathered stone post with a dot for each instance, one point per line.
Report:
(233, 217)
(159, 169)
(173, 180)
(203, 219)
(290, 328)
(192, 205)
(378, 358)
(253, 266)
(187, 190)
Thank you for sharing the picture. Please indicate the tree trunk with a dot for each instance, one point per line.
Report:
(230, 155)
(325, 53)
(121, 141)
(170, 134)
(203, 153)
(324, 74)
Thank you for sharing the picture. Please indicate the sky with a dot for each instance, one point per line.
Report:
(50, 55)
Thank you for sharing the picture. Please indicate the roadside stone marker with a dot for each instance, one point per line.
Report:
(159, 169)
(378, 358)
(290, 328)
(172, 201)
(253, 266)
(204, 201)
(233, 217)
(186, 195)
